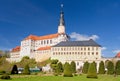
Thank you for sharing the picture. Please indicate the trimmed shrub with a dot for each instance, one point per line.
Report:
(5, 76)
(67, 70)
(14, 70)
(110, 68)
(59, 68)
(117, 67)
(73, 67)
(85, 67)
(92, 72)
(101, 68)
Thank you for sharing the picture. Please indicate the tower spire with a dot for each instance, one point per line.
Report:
(61, 22)
(61, 26)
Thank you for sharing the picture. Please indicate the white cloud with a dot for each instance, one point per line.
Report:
(116, 51)
(103, 48)
(82, 37)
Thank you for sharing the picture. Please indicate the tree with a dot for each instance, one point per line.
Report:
(110, 68)
(54, 65)
(27, 61)
(117, 67)
(26, 70)
(73, 67)
(67, 70)
(92, 72)
(85, 67)
(14, 70)
(4, 64)
(59, 68)
(101, 68)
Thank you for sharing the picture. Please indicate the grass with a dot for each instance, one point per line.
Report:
(60, 78)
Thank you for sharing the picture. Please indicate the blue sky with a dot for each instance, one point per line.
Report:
(84, 19)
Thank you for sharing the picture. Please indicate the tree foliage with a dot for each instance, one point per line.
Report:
(85, 67)
(14, 70)
(101, 68)
(73, 67)
(26, 70)
(92, 72)
(59, 68)
(27, 61)
(110, 68)
(4, 64)
(67, 70)
(54, 65)
(117, 67)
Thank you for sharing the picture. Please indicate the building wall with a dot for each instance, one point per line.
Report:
(29, 47)
(14, 56)
(79, 54)
(42, 55)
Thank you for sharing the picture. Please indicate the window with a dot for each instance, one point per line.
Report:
(88, 48)
(84, 48)
(44, 42)
(81, 53)
(92, 53)
(77, 63)
(96, 53)
(81, 49)
(47, 41)
(50, 41)
(41, 42)
(96, 48)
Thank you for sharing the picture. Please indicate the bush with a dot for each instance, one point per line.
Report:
(75, 74)
(110, 68)
(117, 68)
(5, 76)
(73, 67)
(92, 73)
(85, 67)
(67, 70)
(101, 68)
(2, 72)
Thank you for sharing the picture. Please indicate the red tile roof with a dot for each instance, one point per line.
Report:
(33, 37)
(16, 49)
(118, 55)
(44, 48)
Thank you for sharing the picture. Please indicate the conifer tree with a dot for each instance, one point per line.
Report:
(117, 67)
(110, 68)
(85, 67)
(73, 67)
(101, 68)
(92, 72)
(67, 70)
(14, 70)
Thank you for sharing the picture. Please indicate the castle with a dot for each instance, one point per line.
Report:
(57, 46)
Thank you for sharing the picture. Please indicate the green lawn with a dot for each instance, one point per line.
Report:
(60, 78)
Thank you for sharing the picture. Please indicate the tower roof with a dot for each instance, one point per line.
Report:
(61, 22)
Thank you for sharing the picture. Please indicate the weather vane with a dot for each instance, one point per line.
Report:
(62, 5)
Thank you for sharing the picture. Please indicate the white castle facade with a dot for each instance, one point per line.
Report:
(57, 46)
